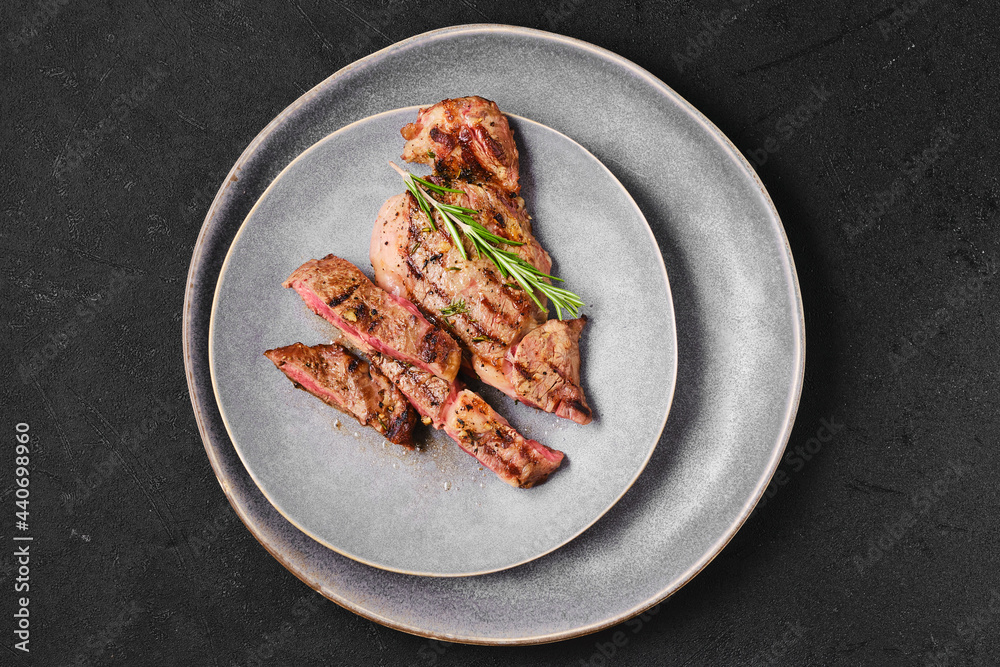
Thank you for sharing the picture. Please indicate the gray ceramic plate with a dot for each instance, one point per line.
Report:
(436, 512)
(736, 304)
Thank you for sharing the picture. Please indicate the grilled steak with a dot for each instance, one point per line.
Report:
(544, 368)
(502, 214)
(472, 423)
(338, 378)
(463, 415)
(467, 138)
(469, 143)
(338, 291)
(487, 314)
(468, 297)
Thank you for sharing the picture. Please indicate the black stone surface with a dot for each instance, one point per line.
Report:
(873, 127)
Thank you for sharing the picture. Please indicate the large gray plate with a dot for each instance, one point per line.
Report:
(737, 307)
(436, 511)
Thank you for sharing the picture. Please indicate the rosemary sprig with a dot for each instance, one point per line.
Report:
(487, 244)
(455, 308)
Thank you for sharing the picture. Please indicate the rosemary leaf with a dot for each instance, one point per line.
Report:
(455, 308)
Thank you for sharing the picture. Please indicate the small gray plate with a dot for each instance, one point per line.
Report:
(436, 511)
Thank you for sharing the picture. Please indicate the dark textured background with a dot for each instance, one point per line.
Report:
(873, 128)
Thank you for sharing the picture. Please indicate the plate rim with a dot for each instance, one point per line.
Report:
(795, 391)
(673, 360)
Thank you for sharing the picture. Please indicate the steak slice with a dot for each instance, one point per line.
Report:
(480, 431)
(338, 291)
(338, 378)
(463, 415)
(464, 137)
(428, 393)
(473, 424)
(544, 369)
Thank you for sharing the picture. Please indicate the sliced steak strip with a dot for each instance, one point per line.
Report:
(463, 414)
(544, 369)
(480, 431)
(464, 137)
(338, 378)
(338, 291)
(473, 424)
(429, 394)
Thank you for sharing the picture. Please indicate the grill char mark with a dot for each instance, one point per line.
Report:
(343, 296)
(466, 137)
(337, 290)
(512, 318)
(486, 435)
(483, 433)
(341, 380)
(544, 369)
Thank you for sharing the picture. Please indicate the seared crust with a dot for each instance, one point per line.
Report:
(429, 394)
(502, 214)
(337, 290)
(468, 297)
(479, 430)
(544, 369)
(464, 415)
(467, 138)
(339, 379)
(510, 344)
